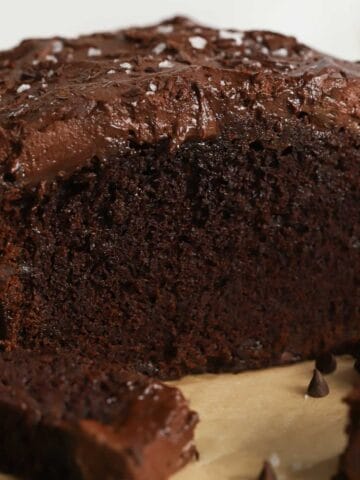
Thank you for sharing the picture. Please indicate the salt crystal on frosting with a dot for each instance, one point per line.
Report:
(23, 88)
(165, 29)
(281, 52)
(237, 37)
(152, 87)
(126, 65)
(94, 52)
(159, 48)
(166, 64)
(51, 58)
(57, 46)
(198, 42)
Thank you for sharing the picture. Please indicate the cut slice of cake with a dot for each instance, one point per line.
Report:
(66, 417)
(183, 198)
(350, 460)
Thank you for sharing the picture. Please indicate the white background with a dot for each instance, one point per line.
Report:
(329, 25)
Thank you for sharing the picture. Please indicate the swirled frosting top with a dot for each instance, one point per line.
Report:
(63, 101)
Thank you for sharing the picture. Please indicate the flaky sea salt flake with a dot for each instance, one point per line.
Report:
(126, 65)
(152, 87)
(57, 46)
(23, 88)
(51, 58)
(159, 48)
(94, 52)
(165, 29)
(198, 42)
(280, 52)
(166, 64)
(237, 37)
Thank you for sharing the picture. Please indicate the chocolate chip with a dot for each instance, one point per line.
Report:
(326, 363)
(318, 386)
(267, 473)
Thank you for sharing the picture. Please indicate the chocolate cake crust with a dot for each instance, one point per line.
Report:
(179, 198)
(65, 416)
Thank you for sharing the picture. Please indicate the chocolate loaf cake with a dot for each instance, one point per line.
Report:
(185, 199)
(66, 417)
(350, 461)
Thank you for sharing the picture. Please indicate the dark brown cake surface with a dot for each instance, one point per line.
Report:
(64, 416)
(180, 198)
(350, 460)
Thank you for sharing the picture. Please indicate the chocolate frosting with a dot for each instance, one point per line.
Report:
(65, 101)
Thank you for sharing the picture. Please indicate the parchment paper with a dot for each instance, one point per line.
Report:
(254, 416)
